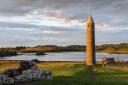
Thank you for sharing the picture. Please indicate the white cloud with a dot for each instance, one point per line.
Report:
(50, 32)
(109, 27)
(51, 17)
(48, 39)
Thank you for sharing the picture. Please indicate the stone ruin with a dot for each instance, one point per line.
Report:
(27, 71)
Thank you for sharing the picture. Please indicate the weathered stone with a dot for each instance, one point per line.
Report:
(90, 42)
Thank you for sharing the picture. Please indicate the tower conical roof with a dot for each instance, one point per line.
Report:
(90, 19)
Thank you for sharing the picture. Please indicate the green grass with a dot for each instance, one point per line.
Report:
(75, 73)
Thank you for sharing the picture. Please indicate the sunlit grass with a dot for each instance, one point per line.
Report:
(8, 65)
(75, 73)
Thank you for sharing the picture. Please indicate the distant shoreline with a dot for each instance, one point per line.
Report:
(16, 54)
(18, 61)
(118, 52)
(7, 54)
(121, 48)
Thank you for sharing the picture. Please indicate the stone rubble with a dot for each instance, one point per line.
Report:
(30, 74)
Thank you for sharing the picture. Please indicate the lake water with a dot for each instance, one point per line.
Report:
(64, 56)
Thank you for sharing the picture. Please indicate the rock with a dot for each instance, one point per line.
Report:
(27, 72)
(4, 79)
(0, 79)
(30, 75)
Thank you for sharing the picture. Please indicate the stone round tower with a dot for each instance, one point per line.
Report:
(90, 42)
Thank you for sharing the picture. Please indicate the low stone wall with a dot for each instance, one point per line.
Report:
(25, 71)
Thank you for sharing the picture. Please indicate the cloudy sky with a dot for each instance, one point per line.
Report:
(61, 22)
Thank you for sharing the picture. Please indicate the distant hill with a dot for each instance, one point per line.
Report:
(108, 48)
(113, 48)
(7, 52)
(54, 48)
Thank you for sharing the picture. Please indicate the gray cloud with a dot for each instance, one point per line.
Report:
(24, 6)
(108, 14)
(78, 9)
(16, 25)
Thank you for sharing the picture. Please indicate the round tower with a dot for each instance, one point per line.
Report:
(90, 42)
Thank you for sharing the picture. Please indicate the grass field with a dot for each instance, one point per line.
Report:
(75, 73)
